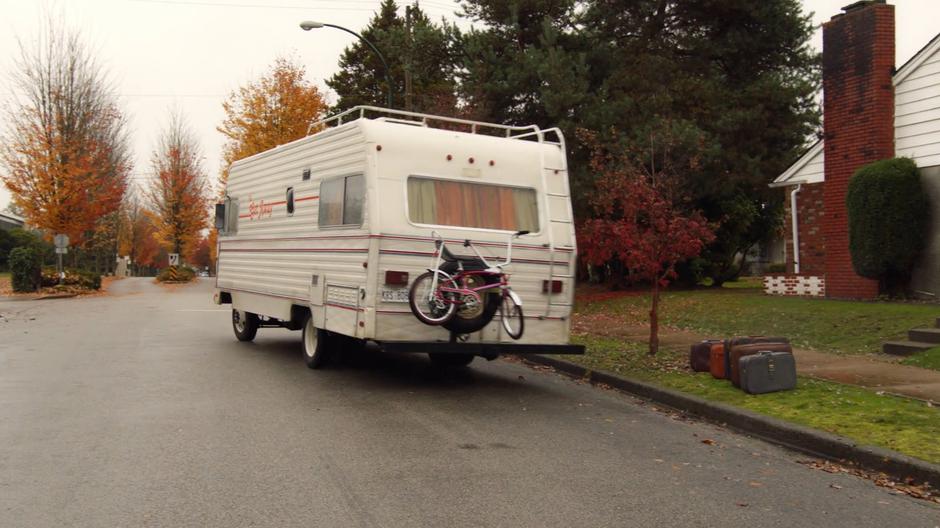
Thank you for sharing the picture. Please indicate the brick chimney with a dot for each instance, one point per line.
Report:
(858, 124)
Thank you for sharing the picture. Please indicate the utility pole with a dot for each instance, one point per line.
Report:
(409, 105)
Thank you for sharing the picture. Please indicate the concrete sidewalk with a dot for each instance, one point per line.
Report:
(869, 372)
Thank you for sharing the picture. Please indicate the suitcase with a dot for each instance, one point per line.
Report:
(700, 355)
(768, 372)
(717, 362)
(740, 351)
(729, 343)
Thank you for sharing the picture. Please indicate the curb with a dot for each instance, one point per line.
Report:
(792, 436)
(39, 297)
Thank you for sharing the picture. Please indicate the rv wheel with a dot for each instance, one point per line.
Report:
(245, 325)
(314, 345)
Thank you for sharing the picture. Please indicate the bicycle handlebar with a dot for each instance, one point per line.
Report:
(439, 242)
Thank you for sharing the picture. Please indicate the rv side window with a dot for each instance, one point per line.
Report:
(341, 201)
(454, 203)
(290, 201)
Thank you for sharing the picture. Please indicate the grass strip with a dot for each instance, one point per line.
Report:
(841, 327)
(907, 426)
(929, 359)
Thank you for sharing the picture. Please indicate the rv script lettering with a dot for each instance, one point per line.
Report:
(259, 209)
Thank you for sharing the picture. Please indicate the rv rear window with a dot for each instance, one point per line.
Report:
(453, 203)
(341, 201)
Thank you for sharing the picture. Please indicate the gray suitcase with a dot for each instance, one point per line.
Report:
(768, 372)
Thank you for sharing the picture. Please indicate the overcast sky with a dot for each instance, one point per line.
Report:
(191, 54)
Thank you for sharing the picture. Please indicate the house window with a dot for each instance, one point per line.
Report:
(454, 203)
(290, 201)
(341, 201)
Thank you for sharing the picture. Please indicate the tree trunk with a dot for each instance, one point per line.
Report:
(654, 320)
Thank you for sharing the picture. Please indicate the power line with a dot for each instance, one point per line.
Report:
(203, 96)
(199, 3)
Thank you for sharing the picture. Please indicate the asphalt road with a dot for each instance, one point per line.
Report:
(140, 409)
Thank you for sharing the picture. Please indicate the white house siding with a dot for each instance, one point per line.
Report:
(917, 109)
(810, 168)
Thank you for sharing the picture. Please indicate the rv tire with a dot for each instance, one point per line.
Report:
(245, 325)
(314, 344)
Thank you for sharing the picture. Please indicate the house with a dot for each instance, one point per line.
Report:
(871, 111)
(10, 221)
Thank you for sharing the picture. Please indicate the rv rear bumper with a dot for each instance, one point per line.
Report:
(479, 349)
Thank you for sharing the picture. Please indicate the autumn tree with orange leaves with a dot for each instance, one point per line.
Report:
(137, 238)
(178, 194)
(64, 148)
(273, 110)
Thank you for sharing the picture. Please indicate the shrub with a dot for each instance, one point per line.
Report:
(888, 215)
(85, 280)
(777, 267)
(25, 267)
(17, 237)
(176, 274)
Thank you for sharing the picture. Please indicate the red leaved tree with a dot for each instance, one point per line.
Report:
(639, 219)
(200, 255)
(179, 193)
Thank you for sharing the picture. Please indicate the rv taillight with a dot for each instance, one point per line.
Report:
(556, 286)
(396, 278)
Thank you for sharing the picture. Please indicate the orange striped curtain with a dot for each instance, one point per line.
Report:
(442, 202)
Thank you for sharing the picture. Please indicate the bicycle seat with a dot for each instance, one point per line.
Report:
(469, 263)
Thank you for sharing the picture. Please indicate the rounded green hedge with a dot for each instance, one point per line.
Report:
(25, 268)
(888, 214)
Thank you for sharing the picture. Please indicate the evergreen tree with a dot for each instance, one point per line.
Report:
(735, 79)
(421, 59)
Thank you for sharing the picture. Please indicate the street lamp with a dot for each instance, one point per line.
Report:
(307, 25)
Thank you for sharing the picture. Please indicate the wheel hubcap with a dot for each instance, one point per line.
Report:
(239, 320)
(310, 339)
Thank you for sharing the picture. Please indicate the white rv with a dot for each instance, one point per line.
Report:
(325, 234)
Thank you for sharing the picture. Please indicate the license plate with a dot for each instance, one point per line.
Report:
(399, 295)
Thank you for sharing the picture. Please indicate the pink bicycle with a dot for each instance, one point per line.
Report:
(463, 294)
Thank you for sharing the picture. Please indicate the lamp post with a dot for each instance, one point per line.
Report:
(310, 24)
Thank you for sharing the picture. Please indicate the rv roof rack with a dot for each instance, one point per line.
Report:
(532, 132)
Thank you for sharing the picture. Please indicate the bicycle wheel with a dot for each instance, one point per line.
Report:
(473, 316)
(511, 315)
(429, 304)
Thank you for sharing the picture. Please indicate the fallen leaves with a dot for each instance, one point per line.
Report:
(907, 487)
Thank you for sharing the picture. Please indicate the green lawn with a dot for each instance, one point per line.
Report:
(906, 426)
(4, 274)
(842, 327)
(928, 359)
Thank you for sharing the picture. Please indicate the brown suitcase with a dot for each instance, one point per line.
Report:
(740, 351)
(700, 355)
(716, 363)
